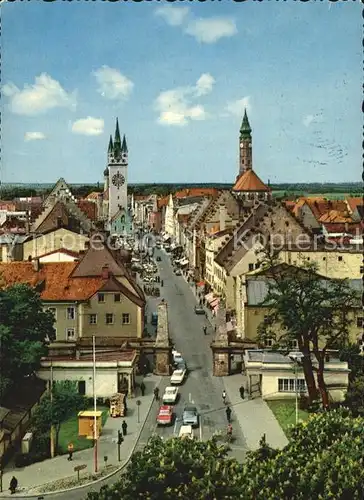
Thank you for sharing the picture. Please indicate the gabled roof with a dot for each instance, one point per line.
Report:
(93, 196)
(354, 203)
(71, 253)
(61, 186)
(249, 182)
(121, 212)
(113, 285)
(321, 206)
(95, 258)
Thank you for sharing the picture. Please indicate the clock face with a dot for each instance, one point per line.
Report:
(118, 180)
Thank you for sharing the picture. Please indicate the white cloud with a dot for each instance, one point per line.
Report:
(45, 94)
(177, 106)
(112, 83)
(88, 126)
(174, 16)
(34, 136)
(212, 29)
(237, 107)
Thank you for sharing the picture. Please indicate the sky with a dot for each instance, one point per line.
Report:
(178, 76)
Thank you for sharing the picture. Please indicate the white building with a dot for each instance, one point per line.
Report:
(273, 374)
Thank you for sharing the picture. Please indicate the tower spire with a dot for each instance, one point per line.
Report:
(124, 147)
(245, 146)
(117, 140)
(111, 146)
(245, 129)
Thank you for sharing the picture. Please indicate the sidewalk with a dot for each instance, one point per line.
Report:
(59, 467)
(254, 416)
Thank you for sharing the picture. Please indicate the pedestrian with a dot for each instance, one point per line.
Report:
(142, 388)
(70, 449)
(205, 330)
(13, 485)
(124, 426)
(224, 396)
(228, 414)
(162, 282)
(242, 390)
(156, 393)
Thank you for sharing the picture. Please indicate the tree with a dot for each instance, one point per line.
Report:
(351, 354)
(323, 459)
(314, 310)
(176, 468)
(24, 330)
(66, 402)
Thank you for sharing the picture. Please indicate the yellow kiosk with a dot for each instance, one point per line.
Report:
(86, 420)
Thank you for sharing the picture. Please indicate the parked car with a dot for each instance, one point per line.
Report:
(178, 272)
(165, 415)
(170, 395)
(186, 432)
(178, 377)
(199, 310)
(178, 359)
(154, 319)
(190, 416)
(181, 366)
(159, 258)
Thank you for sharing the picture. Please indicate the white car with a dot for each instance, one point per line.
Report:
(178, 377)
(186, 431)
(170, 395)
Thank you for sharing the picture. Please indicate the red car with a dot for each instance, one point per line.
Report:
(165, 415)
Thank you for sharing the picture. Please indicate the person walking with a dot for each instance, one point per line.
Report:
(229, 432)
(142, 388)
(162, 282)
(242, 390)
(156, 393)
(205, 330)
(70, 449)
(224, 396)
(124, 426)
(13, 485)
(228, 414)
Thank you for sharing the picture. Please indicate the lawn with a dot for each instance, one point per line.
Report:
(285, 413)
(69, 433)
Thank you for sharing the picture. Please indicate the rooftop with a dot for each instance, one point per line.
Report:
(249, 181)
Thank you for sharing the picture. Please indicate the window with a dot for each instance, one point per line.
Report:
(81, 387)
(293, 344)
(251, 267)
(70, 313)
(70, 333)
(340, 258)
(117, 297)
(53, 310)
(268, 342)
(359, 322)
(362, 269)
(93, 319)
(109, 318)
(323, 258)
(257, 265)
(125, 319)
(101, 297)
(289, 385)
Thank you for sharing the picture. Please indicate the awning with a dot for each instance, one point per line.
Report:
(201, 283)
(209, 297)
(214, 303)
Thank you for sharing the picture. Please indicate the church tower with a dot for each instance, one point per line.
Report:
(245, 146)
(118, 170)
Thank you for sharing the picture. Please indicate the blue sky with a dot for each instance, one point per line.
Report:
(178, 76)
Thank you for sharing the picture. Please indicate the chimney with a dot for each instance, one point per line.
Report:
(59, 222)
(105, 272)
(36, 265)
(222, 217)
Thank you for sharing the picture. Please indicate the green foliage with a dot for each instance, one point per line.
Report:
(355, 396)
(174, 469)
(351, 354)
(66, 402)
(324, 459)
(24, 328)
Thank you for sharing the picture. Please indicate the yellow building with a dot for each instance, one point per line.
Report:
(93, 296)
(38, 245)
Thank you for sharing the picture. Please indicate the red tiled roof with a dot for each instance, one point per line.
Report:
(249, 181)
(189, 193)
(89, 208)
(53, 280)
(355, 202)
(352, 228)
(93, 196)
(321, 206)
(335, 216)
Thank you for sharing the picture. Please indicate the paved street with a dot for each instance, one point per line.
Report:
(200, 387)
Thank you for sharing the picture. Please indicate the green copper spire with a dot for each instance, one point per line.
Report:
(245, 130)
(124, 147)
(111, 146)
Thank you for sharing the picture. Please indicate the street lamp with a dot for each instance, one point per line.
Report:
(296, 357)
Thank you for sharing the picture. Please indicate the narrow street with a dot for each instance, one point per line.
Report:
(200, 386)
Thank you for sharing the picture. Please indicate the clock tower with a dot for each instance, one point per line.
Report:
(118, 171)
(245, 146)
